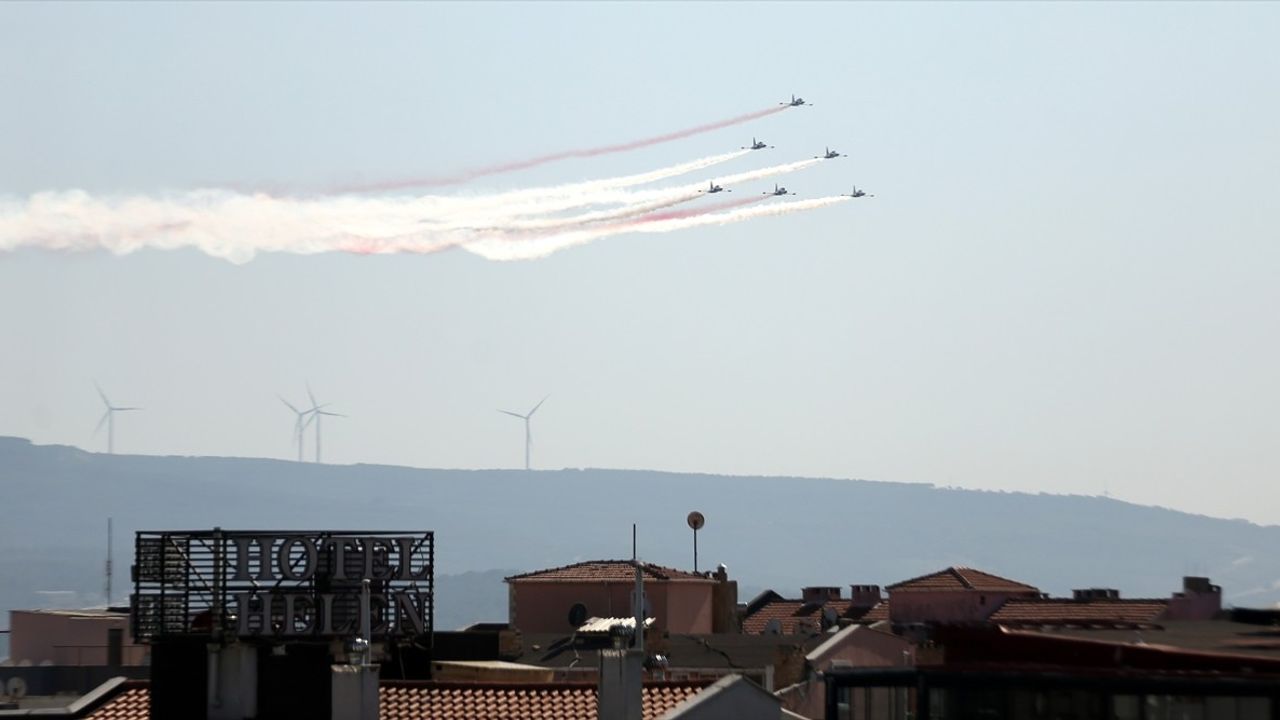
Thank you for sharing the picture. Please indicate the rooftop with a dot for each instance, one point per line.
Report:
(796, 616)
(409, 700)
(622, 571)
(962, 578)
(1087, 613)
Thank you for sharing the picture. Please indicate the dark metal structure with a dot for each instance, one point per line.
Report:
(283, 585)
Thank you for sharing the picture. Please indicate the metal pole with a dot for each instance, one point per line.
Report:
(695, 549)
(108, 568)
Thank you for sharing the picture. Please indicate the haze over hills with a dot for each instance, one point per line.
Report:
(776, 532)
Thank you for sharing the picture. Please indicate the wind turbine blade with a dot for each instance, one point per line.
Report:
(122, 409)
(289, 405)
(101, 394)
(508, 412)
(311, 395)
(330, 414)
(535, 407)
(102, 422)
(310, 418)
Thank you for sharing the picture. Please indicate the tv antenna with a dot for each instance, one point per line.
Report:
(696, 521)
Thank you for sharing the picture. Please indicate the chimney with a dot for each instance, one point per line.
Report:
(1086, 594)
(233, 682)
(724, 603)
(619, 695)
(355, 692)
(820, 595)
(1198, 586)
(864, 596)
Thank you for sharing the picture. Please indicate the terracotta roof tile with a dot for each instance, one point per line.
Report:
(133, 703)
(409, 700)
(961, 578)
(1080, 612)
(797, 616)
(607, 571)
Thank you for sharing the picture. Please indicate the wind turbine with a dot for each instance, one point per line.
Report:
(298, 424)
(109, 418)
(317, 411)
(528, 433)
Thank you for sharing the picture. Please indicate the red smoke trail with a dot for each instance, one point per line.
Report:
(702, 210)
(584, 153)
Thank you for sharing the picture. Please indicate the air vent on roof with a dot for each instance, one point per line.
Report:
(829, 617)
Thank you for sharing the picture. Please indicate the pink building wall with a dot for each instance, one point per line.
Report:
(947, 605)
(541, 606)
(689, 608)
(68, 638)
(1199, 600)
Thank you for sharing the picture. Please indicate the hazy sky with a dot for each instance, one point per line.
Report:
(1068, 280)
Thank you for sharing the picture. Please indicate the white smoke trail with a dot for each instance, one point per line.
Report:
(237, 226)
(558, 200)
(503, 249)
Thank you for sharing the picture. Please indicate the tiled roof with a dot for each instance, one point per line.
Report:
(961, 578)
(504, 701)
(795, 616)
(409, 700)
(1080, 612)
(607, 571)
(133, 703)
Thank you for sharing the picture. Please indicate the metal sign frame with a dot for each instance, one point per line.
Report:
(276, 585)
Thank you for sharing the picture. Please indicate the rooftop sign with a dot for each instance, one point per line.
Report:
(280, 585)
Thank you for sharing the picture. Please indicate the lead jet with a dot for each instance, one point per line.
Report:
(713, 188)
(829, 154)
(795, 102)
(756, 145)
(778, 191)
(857, 193)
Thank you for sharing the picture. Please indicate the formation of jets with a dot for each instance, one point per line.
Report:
(756, 144)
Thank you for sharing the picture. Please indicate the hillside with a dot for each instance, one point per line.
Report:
(775, 532)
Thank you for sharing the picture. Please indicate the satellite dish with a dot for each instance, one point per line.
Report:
(696, 520)
(577, 615)
(16, 687)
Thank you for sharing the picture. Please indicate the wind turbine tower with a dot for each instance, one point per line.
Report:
(317, 411)
(299, 424)
(528, 432)
(109, 418)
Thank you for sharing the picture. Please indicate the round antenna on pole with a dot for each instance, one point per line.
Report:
(696, 521)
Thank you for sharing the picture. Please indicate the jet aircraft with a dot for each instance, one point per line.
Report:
(756, 145)
(795, 102)
(830, 154)
(712, 187)
(857, 193)
(778, 191)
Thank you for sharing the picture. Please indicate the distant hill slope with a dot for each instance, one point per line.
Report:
(775, 532)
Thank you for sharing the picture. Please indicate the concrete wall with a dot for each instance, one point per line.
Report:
(68, 639)
(855, 646)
